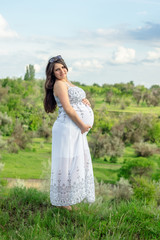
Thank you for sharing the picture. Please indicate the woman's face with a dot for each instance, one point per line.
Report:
(60, 72)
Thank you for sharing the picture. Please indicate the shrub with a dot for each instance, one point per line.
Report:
(157, 184)
(122, 190)
(122, 106)
(137, 94)
(96, 144)
(145, 149)
(12, 146)
(90, 98)
(5, 124)
(19, 136)
(139, 166)
(113, 159)
(1, 168)
(133, 129)
(2, 143)
(144, 189)
(45, 131)
(104, 144)
(113, 147)
(103, 190)
(109, 96)
(155, 132)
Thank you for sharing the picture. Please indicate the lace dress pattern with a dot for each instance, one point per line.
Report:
(72, 179)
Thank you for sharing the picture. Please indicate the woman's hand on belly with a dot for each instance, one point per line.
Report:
(85, 128)
(86, 101)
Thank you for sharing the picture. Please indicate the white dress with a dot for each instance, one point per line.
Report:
(72, 179)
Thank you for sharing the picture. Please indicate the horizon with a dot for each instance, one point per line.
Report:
(83, 84)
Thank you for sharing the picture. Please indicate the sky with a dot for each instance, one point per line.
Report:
(101, 41)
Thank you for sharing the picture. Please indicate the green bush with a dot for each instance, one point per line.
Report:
(157, 184)
(5, 124)
(113, 159)
(139, 166)
(155, 132)
(144, 189)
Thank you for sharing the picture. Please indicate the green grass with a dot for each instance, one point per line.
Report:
(29, 163)
(26, 163)
(133, 108)
(28, 214)
(107, 175)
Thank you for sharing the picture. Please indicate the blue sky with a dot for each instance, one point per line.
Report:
(102, 41)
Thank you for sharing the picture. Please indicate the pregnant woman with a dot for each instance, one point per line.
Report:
(72, 179)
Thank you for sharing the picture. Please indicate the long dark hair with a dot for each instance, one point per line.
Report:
(49, 100)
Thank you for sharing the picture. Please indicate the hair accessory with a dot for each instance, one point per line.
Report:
(53, 59)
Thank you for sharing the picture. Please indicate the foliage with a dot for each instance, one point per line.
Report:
(122, 190)
(2, 144)
(155, 132)
(3, 93)
(90, 98)
(137, 166)
(144, 189)
(30, 73)
(133, 129)
(109, 96)
(44, 130)
(104, 144)
(19, 138)
(5, 124)
(102, 121)
(144, 149)
(157, 185)
(96, 144)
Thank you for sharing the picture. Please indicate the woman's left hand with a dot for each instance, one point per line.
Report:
(86, 101)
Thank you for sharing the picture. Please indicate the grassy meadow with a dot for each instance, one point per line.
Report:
(28, 214)
(125, 149)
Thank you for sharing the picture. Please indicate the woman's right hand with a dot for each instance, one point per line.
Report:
(85, 128)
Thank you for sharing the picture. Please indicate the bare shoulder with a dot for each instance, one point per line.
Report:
(59, 86)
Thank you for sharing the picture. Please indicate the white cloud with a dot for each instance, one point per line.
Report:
(123, 55)
(5, 31)
(142, 13)
(104, 32)
(89, 65)
(153, 55)
(4, 52)
(37, 68)
(70, 69)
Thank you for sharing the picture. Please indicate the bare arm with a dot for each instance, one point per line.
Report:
(62, 93)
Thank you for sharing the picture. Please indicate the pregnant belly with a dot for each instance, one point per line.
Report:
(85, 113)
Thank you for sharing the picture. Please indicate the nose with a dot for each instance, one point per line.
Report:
(62, 70)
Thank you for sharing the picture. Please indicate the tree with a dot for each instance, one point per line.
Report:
(30, 73)
(109, 96)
